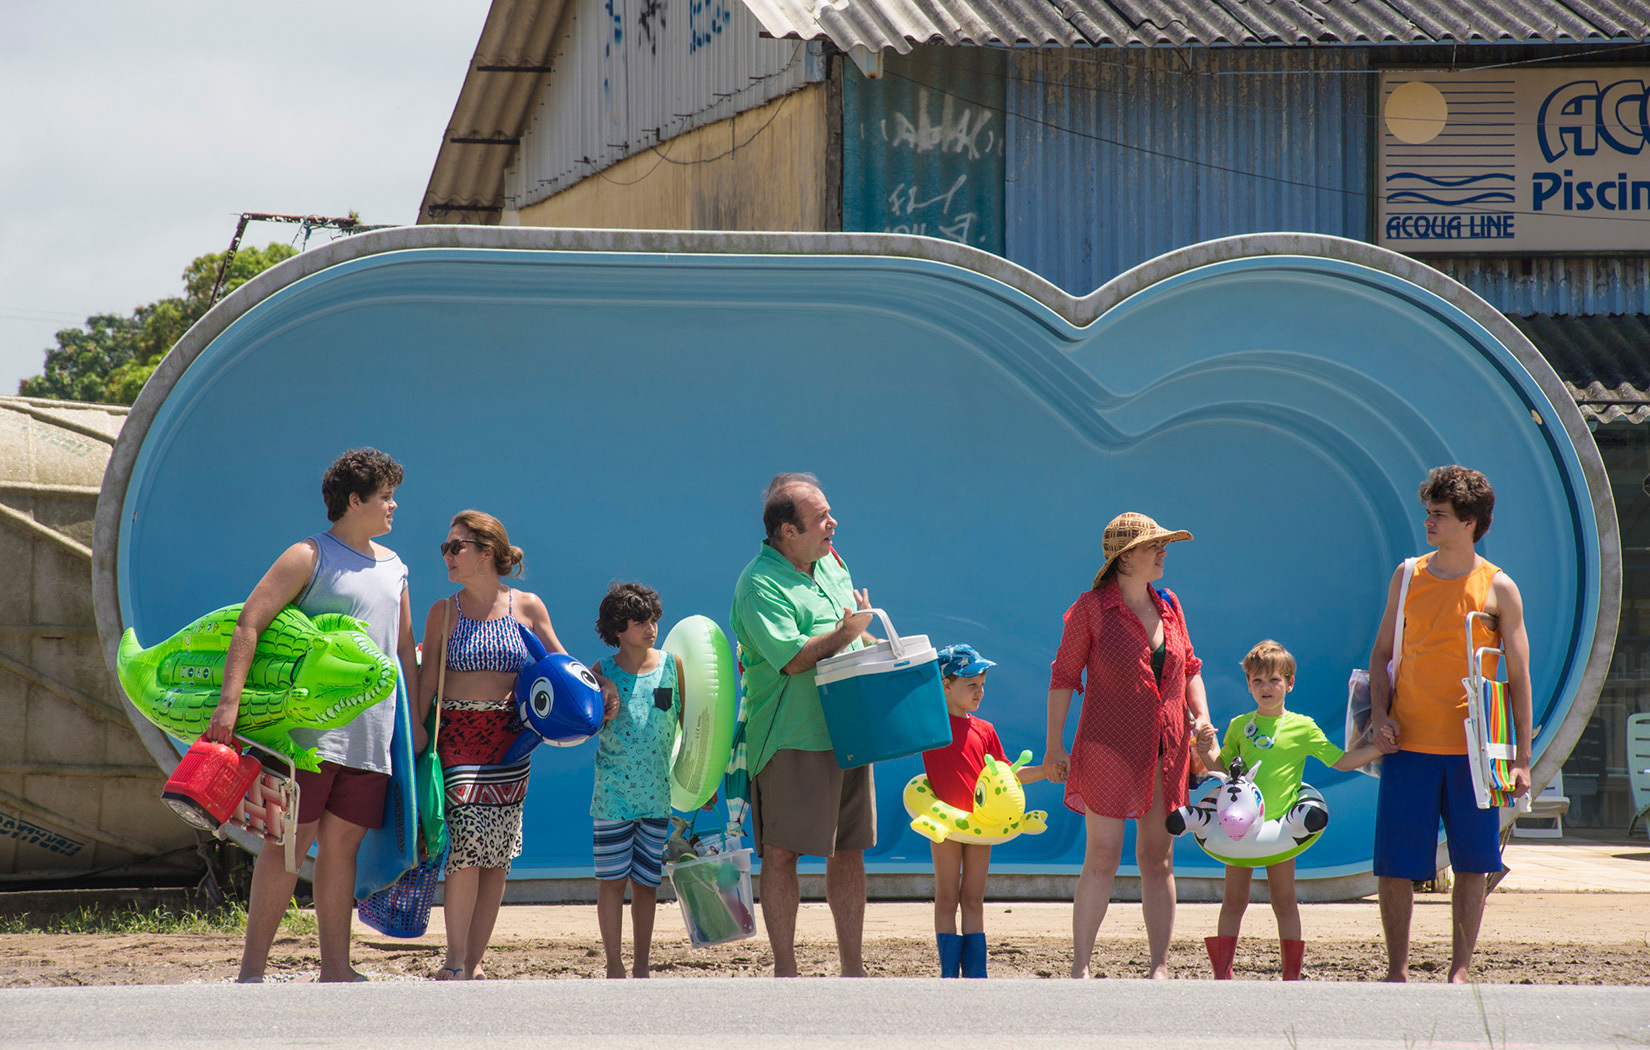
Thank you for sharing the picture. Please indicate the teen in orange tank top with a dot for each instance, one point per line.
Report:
(1434, 657)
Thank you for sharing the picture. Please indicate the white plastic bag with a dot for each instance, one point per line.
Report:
(1357, 717)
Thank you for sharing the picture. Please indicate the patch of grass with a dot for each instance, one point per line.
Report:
(300, 922)
(230, 919)
(127, 920)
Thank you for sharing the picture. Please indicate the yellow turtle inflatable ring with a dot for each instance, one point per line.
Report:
(999, 812)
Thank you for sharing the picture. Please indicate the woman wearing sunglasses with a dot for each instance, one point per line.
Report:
(473, 650)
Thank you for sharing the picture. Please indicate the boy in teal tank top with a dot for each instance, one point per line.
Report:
(1279, 742)
(630, 807)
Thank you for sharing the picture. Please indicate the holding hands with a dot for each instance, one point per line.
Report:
(1208, 737)
(1383, 732)
(1056, 763)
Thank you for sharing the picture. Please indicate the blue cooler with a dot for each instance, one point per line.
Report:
(884, 701)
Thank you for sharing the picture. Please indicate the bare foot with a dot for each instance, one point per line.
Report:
(1158, 973)
(1079, 973)
(615, 973)
(1459, 977)
(350, 976)
(1396, 977)
(478, 974)
(641, 975)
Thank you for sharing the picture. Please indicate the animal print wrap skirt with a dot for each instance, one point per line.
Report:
(484, 798)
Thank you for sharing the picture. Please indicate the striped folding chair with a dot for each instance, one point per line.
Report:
(1492, 740)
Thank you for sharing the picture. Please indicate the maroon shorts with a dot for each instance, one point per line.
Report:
(357, 795)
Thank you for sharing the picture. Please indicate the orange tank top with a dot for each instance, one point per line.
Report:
(1429, 701)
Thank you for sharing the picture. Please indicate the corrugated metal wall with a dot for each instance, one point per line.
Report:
(1555, 284)
(922, 148)
(629, 74)
(1116, 156)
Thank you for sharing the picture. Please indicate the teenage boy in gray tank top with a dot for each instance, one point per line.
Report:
(339, 570)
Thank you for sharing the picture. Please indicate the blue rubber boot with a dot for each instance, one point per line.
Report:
(973, 955)
(951, 948)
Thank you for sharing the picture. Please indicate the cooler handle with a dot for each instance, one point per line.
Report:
(893, 635)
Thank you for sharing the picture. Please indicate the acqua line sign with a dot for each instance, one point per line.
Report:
(1514, 160)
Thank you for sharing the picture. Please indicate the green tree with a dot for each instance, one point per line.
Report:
(110, 357)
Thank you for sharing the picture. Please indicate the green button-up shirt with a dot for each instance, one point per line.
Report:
(776, 609)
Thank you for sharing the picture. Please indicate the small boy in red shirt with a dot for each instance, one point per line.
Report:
(960, 868)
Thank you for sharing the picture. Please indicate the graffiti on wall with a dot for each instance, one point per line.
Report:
(651, 21)
(959, 128)
(923, 149)
(706, 19)
(930, 216)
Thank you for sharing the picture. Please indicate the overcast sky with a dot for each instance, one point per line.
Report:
(132, 135)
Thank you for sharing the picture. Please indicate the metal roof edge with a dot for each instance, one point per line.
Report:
(900, 25)
(491, 110)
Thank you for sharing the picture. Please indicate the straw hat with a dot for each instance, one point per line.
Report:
(1128, 531)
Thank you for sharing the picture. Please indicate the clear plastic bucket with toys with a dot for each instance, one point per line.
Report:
(715, 893)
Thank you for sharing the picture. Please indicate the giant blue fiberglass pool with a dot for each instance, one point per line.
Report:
(621, 412)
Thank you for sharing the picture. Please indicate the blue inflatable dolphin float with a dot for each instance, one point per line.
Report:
(557, 699)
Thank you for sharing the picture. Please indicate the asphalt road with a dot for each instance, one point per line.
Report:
(758, 1012)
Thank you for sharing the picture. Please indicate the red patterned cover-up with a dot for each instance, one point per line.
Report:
(1128, 732)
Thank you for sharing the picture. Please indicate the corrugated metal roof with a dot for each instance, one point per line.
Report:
(1604, 359)
(467, 184)
(903, 24)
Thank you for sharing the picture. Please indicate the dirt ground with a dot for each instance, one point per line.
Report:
(1541, 938)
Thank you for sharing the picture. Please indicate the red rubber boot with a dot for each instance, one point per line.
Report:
(1221, 951)
(1292, 952)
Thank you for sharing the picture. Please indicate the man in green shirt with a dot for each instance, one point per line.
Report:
(795, 605)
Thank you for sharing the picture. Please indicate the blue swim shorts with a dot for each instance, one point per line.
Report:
(631, 849)
(1417, 790)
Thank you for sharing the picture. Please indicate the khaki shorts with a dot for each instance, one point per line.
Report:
(804, 802)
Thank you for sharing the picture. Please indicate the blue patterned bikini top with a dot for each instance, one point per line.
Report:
(487, 645)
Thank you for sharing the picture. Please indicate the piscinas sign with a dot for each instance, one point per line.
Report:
(1515, 160)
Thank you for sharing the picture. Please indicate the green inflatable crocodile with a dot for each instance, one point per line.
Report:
(306, 674)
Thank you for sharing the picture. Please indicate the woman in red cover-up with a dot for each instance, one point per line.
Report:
(1132, 753)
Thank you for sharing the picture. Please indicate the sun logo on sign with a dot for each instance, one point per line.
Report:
(1416, 112)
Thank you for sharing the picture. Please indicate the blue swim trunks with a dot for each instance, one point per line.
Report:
(1417, 790)
(631, 849)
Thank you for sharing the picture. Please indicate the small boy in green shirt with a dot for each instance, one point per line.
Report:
(1279, 742)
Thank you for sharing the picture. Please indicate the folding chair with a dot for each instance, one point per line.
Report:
(270, 807)
(1492, 739)
(1638, 768)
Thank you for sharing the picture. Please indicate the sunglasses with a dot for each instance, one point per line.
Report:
(454, 546)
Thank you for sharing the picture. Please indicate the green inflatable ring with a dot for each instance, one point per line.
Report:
(306, 674)
(709, 703)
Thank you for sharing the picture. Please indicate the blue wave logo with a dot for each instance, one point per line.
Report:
(1405, 196)
(1448, 181)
